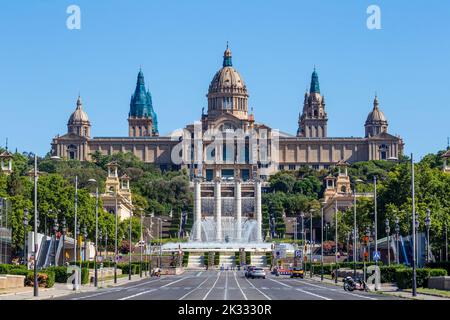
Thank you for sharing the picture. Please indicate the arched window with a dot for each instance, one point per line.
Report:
(344, 189)
(72, 152)
(384, 149)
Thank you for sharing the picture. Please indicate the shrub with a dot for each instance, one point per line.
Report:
(206, 258)
(216, 258)
(387, 273)
(269, 258)
(6, 268)
(61, 275)
(85, 276)
(404, 276)
(185, 258)
(248, 258)
(439, 265)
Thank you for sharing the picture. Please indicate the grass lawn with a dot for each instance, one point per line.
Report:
(441, 293)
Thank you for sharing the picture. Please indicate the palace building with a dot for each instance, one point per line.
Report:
(250, 150)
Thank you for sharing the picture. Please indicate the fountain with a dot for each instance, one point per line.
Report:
(224, 223)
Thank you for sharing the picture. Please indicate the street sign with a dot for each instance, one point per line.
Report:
(298, 253)
(376, 255)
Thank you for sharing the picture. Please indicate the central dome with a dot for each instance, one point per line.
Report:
(227, 91)
(78, 116)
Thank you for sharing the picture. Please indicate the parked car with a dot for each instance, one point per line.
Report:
(257, 273)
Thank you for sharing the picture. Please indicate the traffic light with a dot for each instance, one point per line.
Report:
(366, 256)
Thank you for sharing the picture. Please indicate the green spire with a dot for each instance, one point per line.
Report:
(227, 57)
(315, 88)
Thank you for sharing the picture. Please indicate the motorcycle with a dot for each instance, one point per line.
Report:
(350, 284)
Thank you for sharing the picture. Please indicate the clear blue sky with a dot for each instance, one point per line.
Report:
(179, 44)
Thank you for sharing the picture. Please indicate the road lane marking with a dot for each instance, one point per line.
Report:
(114, 290)
(199, 274)
(245, 297)
(225, 294)
(307, 292)
(335, 290)
(198, 287)
(207, 294)
(268, 298)
(148, 291)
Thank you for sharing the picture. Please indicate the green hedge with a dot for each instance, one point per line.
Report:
(404, 276)
(6, 268)
(387, 273)
(61, 275)
(269, 258)
(216, 258)
(206, 258)
(439, 265)
(46, 278)
(237, 258)
(248, 259)
(185, 258)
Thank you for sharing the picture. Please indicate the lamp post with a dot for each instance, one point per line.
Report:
(55, 230)
(75, 282)
(327, 228)
(321, 245)
(446, 242)
(355, 230)
(141, 244)
(106, 244)
(310, 242)
(114, 193)
(85, 235)
(302, 216)
(375, 216)
(35, 238)
(416, 231)
(63, 229)
(96, 233)
(129, 251)
(337, 241)
(368, 234)
(414, 279)
(388, 230)
(427, 224)
(397, 238)
(25, 228)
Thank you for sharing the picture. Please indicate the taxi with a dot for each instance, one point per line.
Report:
(297, 272)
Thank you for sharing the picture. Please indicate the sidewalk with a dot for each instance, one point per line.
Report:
(62, 289)
(386, 288)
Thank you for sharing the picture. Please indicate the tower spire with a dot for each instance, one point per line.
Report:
(315, 87)
(227, 57)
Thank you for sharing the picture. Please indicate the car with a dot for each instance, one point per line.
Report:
(297, 272)
(257, 273)
(247, 271)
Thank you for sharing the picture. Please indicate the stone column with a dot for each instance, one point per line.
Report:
(258, 212)
(218, 208)
(197, 210)
(238, 208)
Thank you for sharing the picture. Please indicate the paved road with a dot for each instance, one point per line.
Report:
(224, 285)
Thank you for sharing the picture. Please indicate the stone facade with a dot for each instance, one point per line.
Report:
(227, 142)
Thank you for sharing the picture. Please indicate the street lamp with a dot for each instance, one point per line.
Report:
(427, 224)
(327, 228)
(397, 238)
(321, 245)
(337, 241)
(355, 233)
(413, 205)
(85, 235)
(368, 234)
(388, 230)
(141, 242)
(25, 228)
(114, 193)
(302, 216)
(129, 250)
(446, 242)
(35, 247)
(63, 229)
(75, 226)
(375, 216)
(96, 233)
(310, 242)
(55, 230)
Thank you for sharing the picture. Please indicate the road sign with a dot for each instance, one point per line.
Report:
(298, 253)
(376, 255)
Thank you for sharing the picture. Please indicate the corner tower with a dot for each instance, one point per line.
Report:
(312, 122)
(376, 122)
(79, 122)
(142, 121)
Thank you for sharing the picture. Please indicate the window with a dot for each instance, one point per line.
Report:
(227, 173)
(209, 174)
(344, 189)
(281, 167)
(315, 166)
(383, 151)
(72, 152)
(245, 174)
(292, 167)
